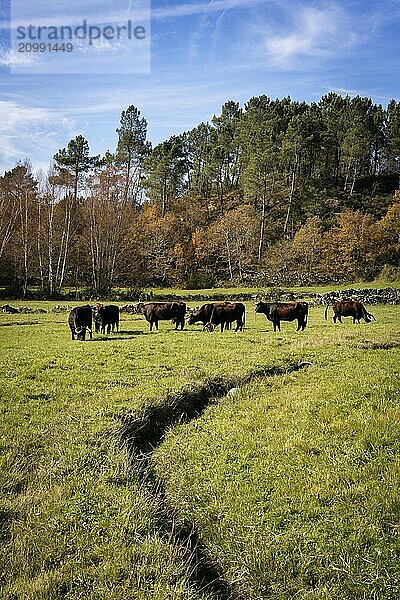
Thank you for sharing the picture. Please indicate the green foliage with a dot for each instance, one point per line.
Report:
(74, 160)
(132, 134)
(267, 168)
(166, 167)
(199, 281)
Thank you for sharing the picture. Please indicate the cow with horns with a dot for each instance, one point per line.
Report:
(284, 311)
(349, 308)
(80, 320)
(219, 313)
(227, 313)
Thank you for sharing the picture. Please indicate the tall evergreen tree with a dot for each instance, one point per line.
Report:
(132, 149)
(166, 167)
(392, 150)
(72, 165)
(74, 162)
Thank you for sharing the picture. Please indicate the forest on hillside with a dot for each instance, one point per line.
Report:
(276, 192)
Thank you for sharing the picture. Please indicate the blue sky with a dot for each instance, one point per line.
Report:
(203, 53)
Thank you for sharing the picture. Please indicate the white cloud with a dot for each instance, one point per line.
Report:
(316, 32)
(197, 8)
(65, 13)
(367, 93)
(11, 58)
(27, 132)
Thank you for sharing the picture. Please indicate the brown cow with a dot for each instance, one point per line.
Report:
(349, 308)
(203, 313)
(284, 311)
(164, 311)
(224, 314)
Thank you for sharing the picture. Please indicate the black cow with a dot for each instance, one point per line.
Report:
(106, 316)
(284, 311)
(203, 313)
(227, 313)
(164, 311)
(349, 308)
(10, 310)
(80, 319)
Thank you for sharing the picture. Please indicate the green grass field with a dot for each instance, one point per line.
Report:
(290, 485)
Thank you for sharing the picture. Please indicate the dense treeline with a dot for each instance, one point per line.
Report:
(273, 192)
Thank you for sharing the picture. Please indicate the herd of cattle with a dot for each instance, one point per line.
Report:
(225, 314)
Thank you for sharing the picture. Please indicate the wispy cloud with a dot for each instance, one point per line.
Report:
(315, 32)
(66, 13)
(36, 133)
(27, 132)
(12, 58)
(197, 8)
(374, 94)
(385, 12)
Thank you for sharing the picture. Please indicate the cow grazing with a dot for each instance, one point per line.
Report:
(203, 314)
(80, 319)
(284, 311)
(218, 313)
(225, 314)
(164, 311)
(106, 317)
(349, 308)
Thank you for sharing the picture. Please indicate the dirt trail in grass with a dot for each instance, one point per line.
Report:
(141, 434)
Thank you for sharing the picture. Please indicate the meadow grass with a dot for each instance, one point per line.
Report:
(293, 484)
(290, 484)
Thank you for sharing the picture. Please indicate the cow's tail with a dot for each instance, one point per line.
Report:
(326, 312)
